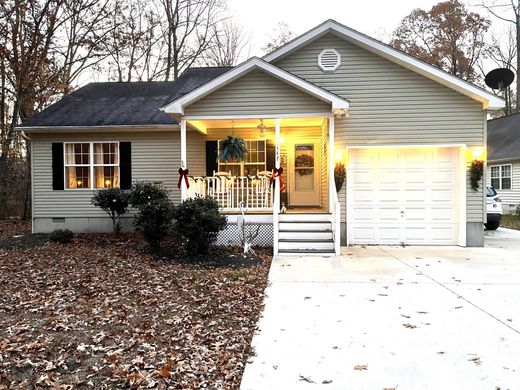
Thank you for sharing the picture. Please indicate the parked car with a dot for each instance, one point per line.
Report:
(494, 209)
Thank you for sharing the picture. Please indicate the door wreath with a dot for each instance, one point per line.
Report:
(304, 161)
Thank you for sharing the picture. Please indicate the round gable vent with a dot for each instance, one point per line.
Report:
(329, 60)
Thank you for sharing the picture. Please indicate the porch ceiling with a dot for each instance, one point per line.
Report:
(203, 125)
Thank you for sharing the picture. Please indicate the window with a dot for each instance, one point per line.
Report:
(501, 177)
(91, 165)
(255, 160)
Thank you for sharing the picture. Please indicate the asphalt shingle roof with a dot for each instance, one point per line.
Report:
(120, 103)
(503, 140)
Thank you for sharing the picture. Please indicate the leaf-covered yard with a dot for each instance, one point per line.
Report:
(102, 313)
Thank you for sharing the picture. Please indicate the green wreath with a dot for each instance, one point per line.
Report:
(304, 161)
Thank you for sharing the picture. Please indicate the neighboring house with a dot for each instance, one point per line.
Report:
(406, 131)
(503, 159)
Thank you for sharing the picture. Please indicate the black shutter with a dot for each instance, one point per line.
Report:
(270, 159)
(125, 165)
(57, 166)
(211, 157)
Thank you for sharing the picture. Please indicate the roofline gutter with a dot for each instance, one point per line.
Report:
(85, 129)
(502, 160)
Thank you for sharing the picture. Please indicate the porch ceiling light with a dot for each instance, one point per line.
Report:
(262, 128)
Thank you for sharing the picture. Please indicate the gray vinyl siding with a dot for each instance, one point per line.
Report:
(510, 198)
(257, 93)
(391, 105)
(155, 157)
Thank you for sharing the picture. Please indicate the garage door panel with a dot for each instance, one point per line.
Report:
(444, 196)
(414, 195)
(443, 177)
(389, 195)
(387, 214)
(389, 234)
(403, 195)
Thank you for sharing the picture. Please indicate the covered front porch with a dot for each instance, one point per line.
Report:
(284, 177)
(292, 150)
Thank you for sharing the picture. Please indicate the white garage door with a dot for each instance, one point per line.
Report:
(407, 195)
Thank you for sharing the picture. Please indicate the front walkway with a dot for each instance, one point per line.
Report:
(393, 317)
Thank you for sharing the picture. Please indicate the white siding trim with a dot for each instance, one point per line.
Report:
(489, 100)
(263, 116)
(177, 106)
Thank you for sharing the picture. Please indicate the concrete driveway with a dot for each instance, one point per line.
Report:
(393, 317)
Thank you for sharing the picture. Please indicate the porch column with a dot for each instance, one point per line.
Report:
(276, 201)
(183, 156)
(332, 158)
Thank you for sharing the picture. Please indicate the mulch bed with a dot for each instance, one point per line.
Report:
(102, 312)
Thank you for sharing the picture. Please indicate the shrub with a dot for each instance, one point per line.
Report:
(517, 211)
(63, 236)
(154, 221)
(143, 193)
(114, 202)
(197, 223)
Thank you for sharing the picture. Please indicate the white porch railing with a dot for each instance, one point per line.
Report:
(228, 191)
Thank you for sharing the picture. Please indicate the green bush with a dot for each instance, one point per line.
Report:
(154, 221)
(143, 193)
(197, 223)
(114, 202)
(63, 236)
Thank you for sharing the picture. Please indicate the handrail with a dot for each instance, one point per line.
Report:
(335, 209)
(276, 212)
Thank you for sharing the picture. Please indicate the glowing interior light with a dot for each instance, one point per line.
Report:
(477, 152)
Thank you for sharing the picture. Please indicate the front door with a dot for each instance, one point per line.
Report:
(304, 172)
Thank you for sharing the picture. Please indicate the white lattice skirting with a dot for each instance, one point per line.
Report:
(232, 235)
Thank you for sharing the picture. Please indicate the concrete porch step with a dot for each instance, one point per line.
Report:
(306, 252)
(305, 244)
(305, 225)
(305, 234)
(311, 217)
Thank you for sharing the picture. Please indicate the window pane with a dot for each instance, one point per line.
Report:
(495, 171)
(506, 183)
(506, 170)
(69, 154)
(106, 177)
(252, 170)
(495, 183)
(77, 177)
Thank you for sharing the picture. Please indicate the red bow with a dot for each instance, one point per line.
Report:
(277, 172)
(183, 173)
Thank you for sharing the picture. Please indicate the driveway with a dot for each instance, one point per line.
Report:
(393, 317)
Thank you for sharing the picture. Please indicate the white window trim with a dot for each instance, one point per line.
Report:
(500, 177)
(242, 164)
(91, 164)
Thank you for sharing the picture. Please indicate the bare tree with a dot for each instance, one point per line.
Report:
(190, 32)
(508, 11)
(134, 42)
(229, 45)
(502, 51)
(79, 41)
(283, 34)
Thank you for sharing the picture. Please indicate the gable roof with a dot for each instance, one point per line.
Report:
(120, 103)
(176, 107)
(503, 139)
(488, 99)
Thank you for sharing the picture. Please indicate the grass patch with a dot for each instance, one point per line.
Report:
(511, 221)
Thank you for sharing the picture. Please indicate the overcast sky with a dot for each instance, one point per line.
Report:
(377, 18)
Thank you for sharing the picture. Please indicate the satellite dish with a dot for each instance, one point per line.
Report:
(499, 78)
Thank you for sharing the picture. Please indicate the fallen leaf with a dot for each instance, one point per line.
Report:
(361, 367)
(409, 326)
